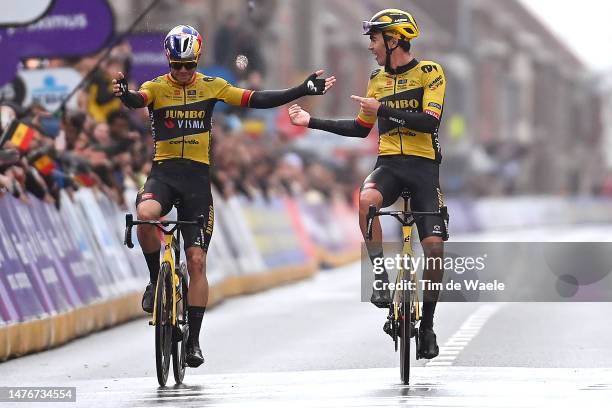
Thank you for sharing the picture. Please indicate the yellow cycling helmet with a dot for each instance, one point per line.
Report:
(393, 23)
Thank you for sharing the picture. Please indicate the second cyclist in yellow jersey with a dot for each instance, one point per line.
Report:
(418, 86)
(406, 97)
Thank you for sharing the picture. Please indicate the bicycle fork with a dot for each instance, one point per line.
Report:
(175, 281)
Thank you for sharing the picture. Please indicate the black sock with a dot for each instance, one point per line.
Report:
(153, 265)
(428, 313)
(382, 276)
(195, 314)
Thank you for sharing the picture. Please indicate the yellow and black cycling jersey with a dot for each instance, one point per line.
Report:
(181, 115)
(418, 87)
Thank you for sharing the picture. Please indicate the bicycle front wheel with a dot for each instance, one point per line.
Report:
(163, 323)
(178, 347)
(405, 334)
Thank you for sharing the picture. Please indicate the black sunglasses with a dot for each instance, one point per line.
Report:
(188, 65)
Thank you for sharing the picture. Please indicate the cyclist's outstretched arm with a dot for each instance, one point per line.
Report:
(131, 99)
(343, 127)
(272, 99)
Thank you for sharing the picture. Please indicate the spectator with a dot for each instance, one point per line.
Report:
(100, 98)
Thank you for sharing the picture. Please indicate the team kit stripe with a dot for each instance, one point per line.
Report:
(432, 113)
(363, 123)
(246, 97)
(144, 97)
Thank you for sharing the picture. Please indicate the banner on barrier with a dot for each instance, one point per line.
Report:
(240, 238)
(219, 249)
(69, 256)
(18, 300)
(46, 272)
(273, 231)
(30, 255)
(56, 253)
(87, 246)
(320, 224)
(116, 222)
(113, 258)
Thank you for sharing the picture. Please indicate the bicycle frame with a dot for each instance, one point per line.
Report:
(407, 219)
(171, 252)
(414, 298)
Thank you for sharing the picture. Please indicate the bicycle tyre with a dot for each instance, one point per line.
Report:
(405, 328)
(163, 324)
(178, 347)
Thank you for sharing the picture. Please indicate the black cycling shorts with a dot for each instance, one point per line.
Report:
(187, 183)
(418, 175)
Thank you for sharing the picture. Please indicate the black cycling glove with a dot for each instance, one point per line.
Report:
(272, 99)
(129, 98)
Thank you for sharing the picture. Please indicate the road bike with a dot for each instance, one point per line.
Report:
(170, 305)
(404, 310)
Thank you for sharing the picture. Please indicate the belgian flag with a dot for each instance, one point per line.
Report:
(19, 134)
(84, 179)
(45, 165)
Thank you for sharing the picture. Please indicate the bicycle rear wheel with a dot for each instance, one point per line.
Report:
(163, 323)
(178, 346)
(405, 334)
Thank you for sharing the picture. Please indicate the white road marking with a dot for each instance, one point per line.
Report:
(462, 337)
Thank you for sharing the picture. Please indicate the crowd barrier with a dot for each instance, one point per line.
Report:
(470, 215)
(66, 273)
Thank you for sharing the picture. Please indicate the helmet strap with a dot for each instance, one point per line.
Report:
(389, 50)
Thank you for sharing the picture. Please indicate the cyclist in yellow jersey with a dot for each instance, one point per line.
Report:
(407, 99)
(180, 105)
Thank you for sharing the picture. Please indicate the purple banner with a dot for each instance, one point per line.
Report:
(72, 28)
(83, 239)
(148, 58)
(21, 293)
(55, 252)
(36, 255)
(72, 259)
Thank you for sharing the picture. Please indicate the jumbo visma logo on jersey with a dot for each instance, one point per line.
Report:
(183, 131)
(402, 103)
(183, 120)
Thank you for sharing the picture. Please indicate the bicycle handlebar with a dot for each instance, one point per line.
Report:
(129, 223)
(372, 213)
